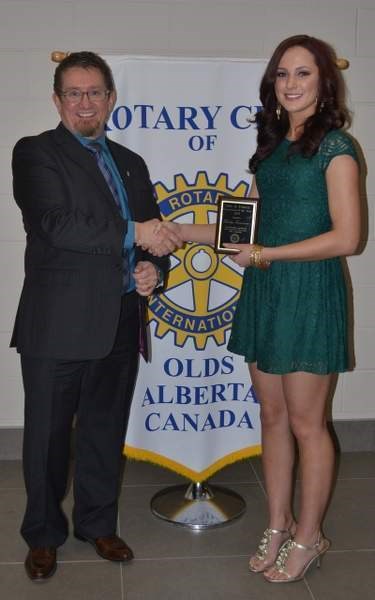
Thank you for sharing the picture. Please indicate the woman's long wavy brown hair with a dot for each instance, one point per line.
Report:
(332, 112)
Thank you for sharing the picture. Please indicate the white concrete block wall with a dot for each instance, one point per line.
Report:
(31, 29)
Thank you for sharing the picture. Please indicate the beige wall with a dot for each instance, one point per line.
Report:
(30, 29)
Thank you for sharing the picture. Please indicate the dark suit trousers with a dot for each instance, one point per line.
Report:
(99, 393)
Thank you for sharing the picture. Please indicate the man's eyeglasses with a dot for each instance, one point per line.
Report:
(76, 96)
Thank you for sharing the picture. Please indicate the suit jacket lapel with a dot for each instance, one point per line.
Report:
(78, 154)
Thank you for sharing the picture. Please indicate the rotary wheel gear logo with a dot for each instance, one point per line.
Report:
(203, 287)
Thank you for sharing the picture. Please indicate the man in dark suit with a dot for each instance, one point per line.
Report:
(94, 252)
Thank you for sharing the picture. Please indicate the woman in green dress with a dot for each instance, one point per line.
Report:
(291, 319)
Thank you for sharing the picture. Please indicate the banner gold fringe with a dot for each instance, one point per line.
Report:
(162, 461)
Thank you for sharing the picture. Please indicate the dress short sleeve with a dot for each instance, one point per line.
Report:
(336, 143)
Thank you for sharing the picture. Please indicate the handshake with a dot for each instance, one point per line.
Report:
(158, 237)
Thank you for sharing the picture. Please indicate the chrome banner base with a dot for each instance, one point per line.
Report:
(199, 506)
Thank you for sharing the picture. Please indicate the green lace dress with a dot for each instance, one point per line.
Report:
(293, 317)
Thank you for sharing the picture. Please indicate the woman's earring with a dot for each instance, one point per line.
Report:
(278, 112)
(321, 106)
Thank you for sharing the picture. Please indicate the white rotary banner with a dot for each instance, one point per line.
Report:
(194, 408)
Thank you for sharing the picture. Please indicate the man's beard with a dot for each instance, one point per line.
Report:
(90, 128)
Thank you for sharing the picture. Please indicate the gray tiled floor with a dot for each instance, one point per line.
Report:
(177, 563)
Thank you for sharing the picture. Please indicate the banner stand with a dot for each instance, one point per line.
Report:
(199, 506)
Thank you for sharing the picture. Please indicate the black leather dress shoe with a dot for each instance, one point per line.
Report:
(40, 563)
(111, 547)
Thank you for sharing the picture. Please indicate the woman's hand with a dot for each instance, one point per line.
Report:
(242, 256)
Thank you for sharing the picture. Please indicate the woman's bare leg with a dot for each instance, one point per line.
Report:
(306, 398)
(278, 457)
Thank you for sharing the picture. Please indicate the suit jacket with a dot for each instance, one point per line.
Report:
(71, 297)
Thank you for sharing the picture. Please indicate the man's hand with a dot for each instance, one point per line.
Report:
(158, 237)
(146, 277)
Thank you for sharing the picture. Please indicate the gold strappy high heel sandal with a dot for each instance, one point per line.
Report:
(321, 546)
(262, 551)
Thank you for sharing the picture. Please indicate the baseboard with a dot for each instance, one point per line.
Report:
(350, 436)
(10, 443)
(354, 436)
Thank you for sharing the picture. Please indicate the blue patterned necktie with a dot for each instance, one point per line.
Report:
(96, 149)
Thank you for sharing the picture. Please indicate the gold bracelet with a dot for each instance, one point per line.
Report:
(255, 255)
(256, 259)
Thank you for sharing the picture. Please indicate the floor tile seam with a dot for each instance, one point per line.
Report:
(59, 561)
(189, 557)
(122, 583)
(351, 550)
(356, 478)
(234, 482)
(135, 560)
(259, 480)
(261, 484)
(226, 483)
(182, 557)
(255, 473)
(309, 589)
(86, 560)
